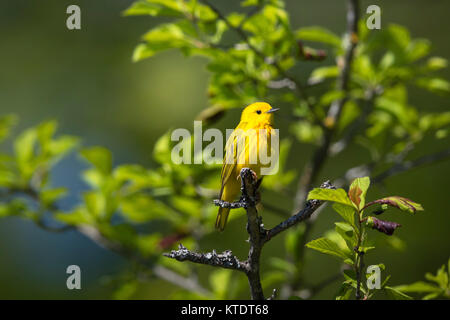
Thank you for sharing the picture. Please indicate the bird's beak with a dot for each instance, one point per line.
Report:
(273, 110)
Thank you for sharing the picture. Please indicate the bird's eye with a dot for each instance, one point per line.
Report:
(258, 111)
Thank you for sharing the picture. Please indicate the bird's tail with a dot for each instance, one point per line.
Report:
(222, 218)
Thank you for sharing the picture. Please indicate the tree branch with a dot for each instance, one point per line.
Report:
(258, 235)
(309, 208)
(225, 259)
(254, 225)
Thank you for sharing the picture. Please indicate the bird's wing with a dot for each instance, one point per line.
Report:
(231, 146)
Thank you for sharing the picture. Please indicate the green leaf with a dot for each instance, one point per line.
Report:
(99, 157)
(49, 196)
(419, 286)
(327, 246)
(346, 212)
(126, 290)
(162, 149)
(436, 85)
(77, 217)
(141, 208)
(95, 203)
(417, 49)
(350, 275)
(62, 145)
(24, 147)
(436, 63)
(335, 237)
(322, 73)
(318, 34)
(163, 37)
(188, 205)
(334, 195)
(347, 232)
(441, 277)
(399, 35)
(363, 67)
(345, 291)
(46, 130)
(396, 294)
(358, 190)
(15, 207)
(331, 96)
(168, 8)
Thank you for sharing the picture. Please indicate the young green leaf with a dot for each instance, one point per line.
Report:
(346, 231)
(396, 294)
(419, 287)
(99, 157)
(346, 212)
(169, 8)
(334, 195)
(48, 197)
(318, 34)
(327, 246)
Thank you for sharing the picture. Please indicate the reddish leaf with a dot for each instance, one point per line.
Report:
(387, 227)
(400, 203)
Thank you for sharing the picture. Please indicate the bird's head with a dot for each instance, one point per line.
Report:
(258, 113)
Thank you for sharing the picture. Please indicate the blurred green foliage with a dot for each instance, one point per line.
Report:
(350, 242)
(252, 54)
(438, 286)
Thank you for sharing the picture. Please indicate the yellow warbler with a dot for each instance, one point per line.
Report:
(248, 141)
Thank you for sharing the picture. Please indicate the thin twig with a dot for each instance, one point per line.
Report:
(359, 273)
(225, 259)
(310, 207)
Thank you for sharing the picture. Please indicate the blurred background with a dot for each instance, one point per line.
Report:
(86, 80)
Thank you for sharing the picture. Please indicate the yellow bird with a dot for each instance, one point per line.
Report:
(243, 150)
